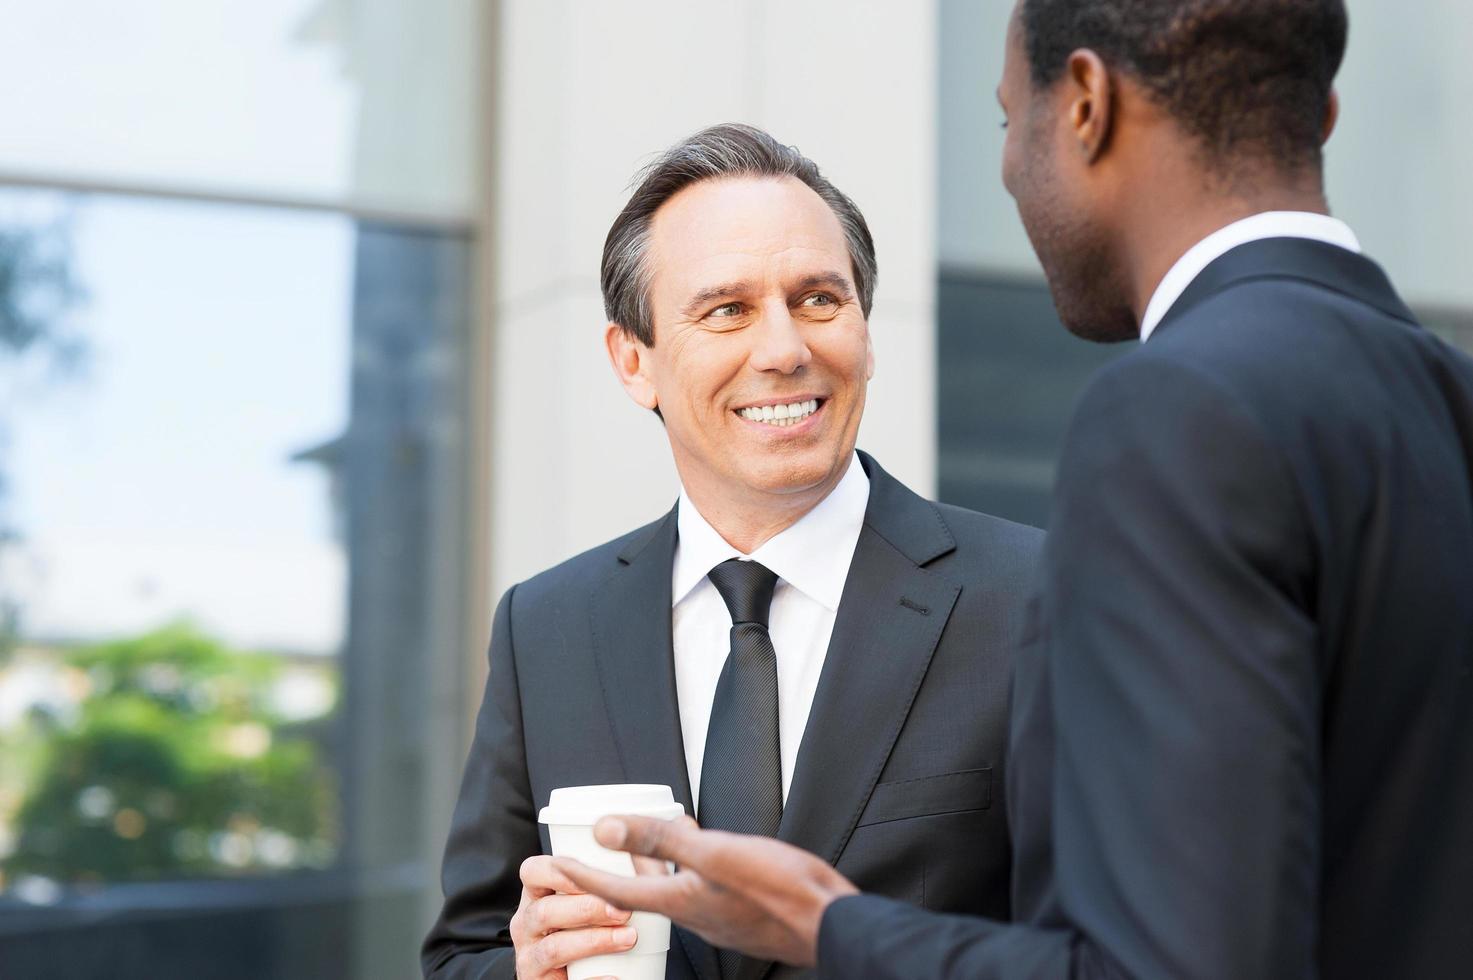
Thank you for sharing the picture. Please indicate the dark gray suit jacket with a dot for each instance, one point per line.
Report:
(1243, 723)
(899, 778)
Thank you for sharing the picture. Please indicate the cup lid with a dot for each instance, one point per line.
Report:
(586, 804)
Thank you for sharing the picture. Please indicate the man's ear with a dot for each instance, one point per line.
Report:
(630, 359)
(1091, 93)
(1332, 116)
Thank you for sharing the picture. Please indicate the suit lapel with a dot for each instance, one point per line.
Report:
(636, 665)
(889, 622)
(636, 662)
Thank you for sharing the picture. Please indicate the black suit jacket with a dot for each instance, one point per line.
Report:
(899, 778)
(1243, 725)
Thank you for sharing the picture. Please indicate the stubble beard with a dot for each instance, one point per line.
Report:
(1089, 293)
(1088, 286)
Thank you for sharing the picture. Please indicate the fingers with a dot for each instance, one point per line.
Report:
(558, 922)
(650, 866)
(558, 949)
(743, 860)
(541, 878)
(661, 894)
(556, 912)
(671, 840)
(719, 858)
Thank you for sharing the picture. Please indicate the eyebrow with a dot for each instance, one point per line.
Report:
(835, 281)
(713, 293)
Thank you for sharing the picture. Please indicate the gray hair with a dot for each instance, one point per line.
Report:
(728, 150)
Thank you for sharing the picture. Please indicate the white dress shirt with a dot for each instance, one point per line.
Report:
(811, 560)
(1269, 224)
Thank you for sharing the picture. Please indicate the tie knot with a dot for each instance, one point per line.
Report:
(746, 588)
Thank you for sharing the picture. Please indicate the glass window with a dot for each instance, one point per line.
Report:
(1007, 376)
(229, 564)
(367, 103)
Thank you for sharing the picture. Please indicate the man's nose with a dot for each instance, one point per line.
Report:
(778, 344)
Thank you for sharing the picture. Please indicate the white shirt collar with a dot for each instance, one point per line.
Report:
(1269, 224)
(812, 556)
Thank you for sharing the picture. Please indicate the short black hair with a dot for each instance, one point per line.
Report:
(1248, 78)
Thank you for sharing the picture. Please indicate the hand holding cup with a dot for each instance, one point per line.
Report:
(569, 816)
(557, 923)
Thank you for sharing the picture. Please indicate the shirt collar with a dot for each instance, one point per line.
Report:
(1269, 224)
(812, 556)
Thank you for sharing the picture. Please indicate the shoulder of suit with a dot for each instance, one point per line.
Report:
(995, 540)
(1272, 333)
(977, 526)
(584, 570)
(1152, 384)
(1294, 320)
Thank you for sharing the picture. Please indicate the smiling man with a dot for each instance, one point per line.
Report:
(802, 648)
(1243, 708)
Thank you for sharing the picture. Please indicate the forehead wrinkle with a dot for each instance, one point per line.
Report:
(740, 250)
(704, 214)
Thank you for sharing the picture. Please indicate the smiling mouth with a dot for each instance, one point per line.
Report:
(782, 416)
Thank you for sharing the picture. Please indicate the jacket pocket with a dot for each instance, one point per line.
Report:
(952, 792)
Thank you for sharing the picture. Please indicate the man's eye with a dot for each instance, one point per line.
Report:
(726, 309)
(819, 299)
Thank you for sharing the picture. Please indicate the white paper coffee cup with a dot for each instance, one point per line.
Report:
(570, 815)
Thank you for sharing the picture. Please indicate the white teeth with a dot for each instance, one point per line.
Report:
(781, 416)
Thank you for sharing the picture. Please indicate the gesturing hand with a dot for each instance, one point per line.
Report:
(557, 923)
(753, 894)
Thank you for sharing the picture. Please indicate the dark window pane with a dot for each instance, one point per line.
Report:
(1008, 375)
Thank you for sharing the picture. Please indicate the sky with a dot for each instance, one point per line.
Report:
(369, 101)
(157, 483)
(197, 93)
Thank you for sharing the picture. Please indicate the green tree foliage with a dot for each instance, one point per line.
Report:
(175, 766)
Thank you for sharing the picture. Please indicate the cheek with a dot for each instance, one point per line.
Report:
(1026, 159)
(1034, 189)
(698, 377)
(846, 353)
(1010, 164)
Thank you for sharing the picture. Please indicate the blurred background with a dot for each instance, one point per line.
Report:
(300, 367)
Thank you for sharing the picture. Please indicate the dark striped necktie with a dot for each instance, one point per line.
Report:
(741, 771)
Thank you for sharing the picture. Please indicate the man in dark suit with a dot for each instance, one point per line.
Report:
(1243, 717)
(792, 648)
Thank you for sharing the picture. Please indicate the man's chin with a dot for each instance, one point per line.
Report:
(1098, 322)
(1087, 291)
(791, 475)
(1103, 331)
